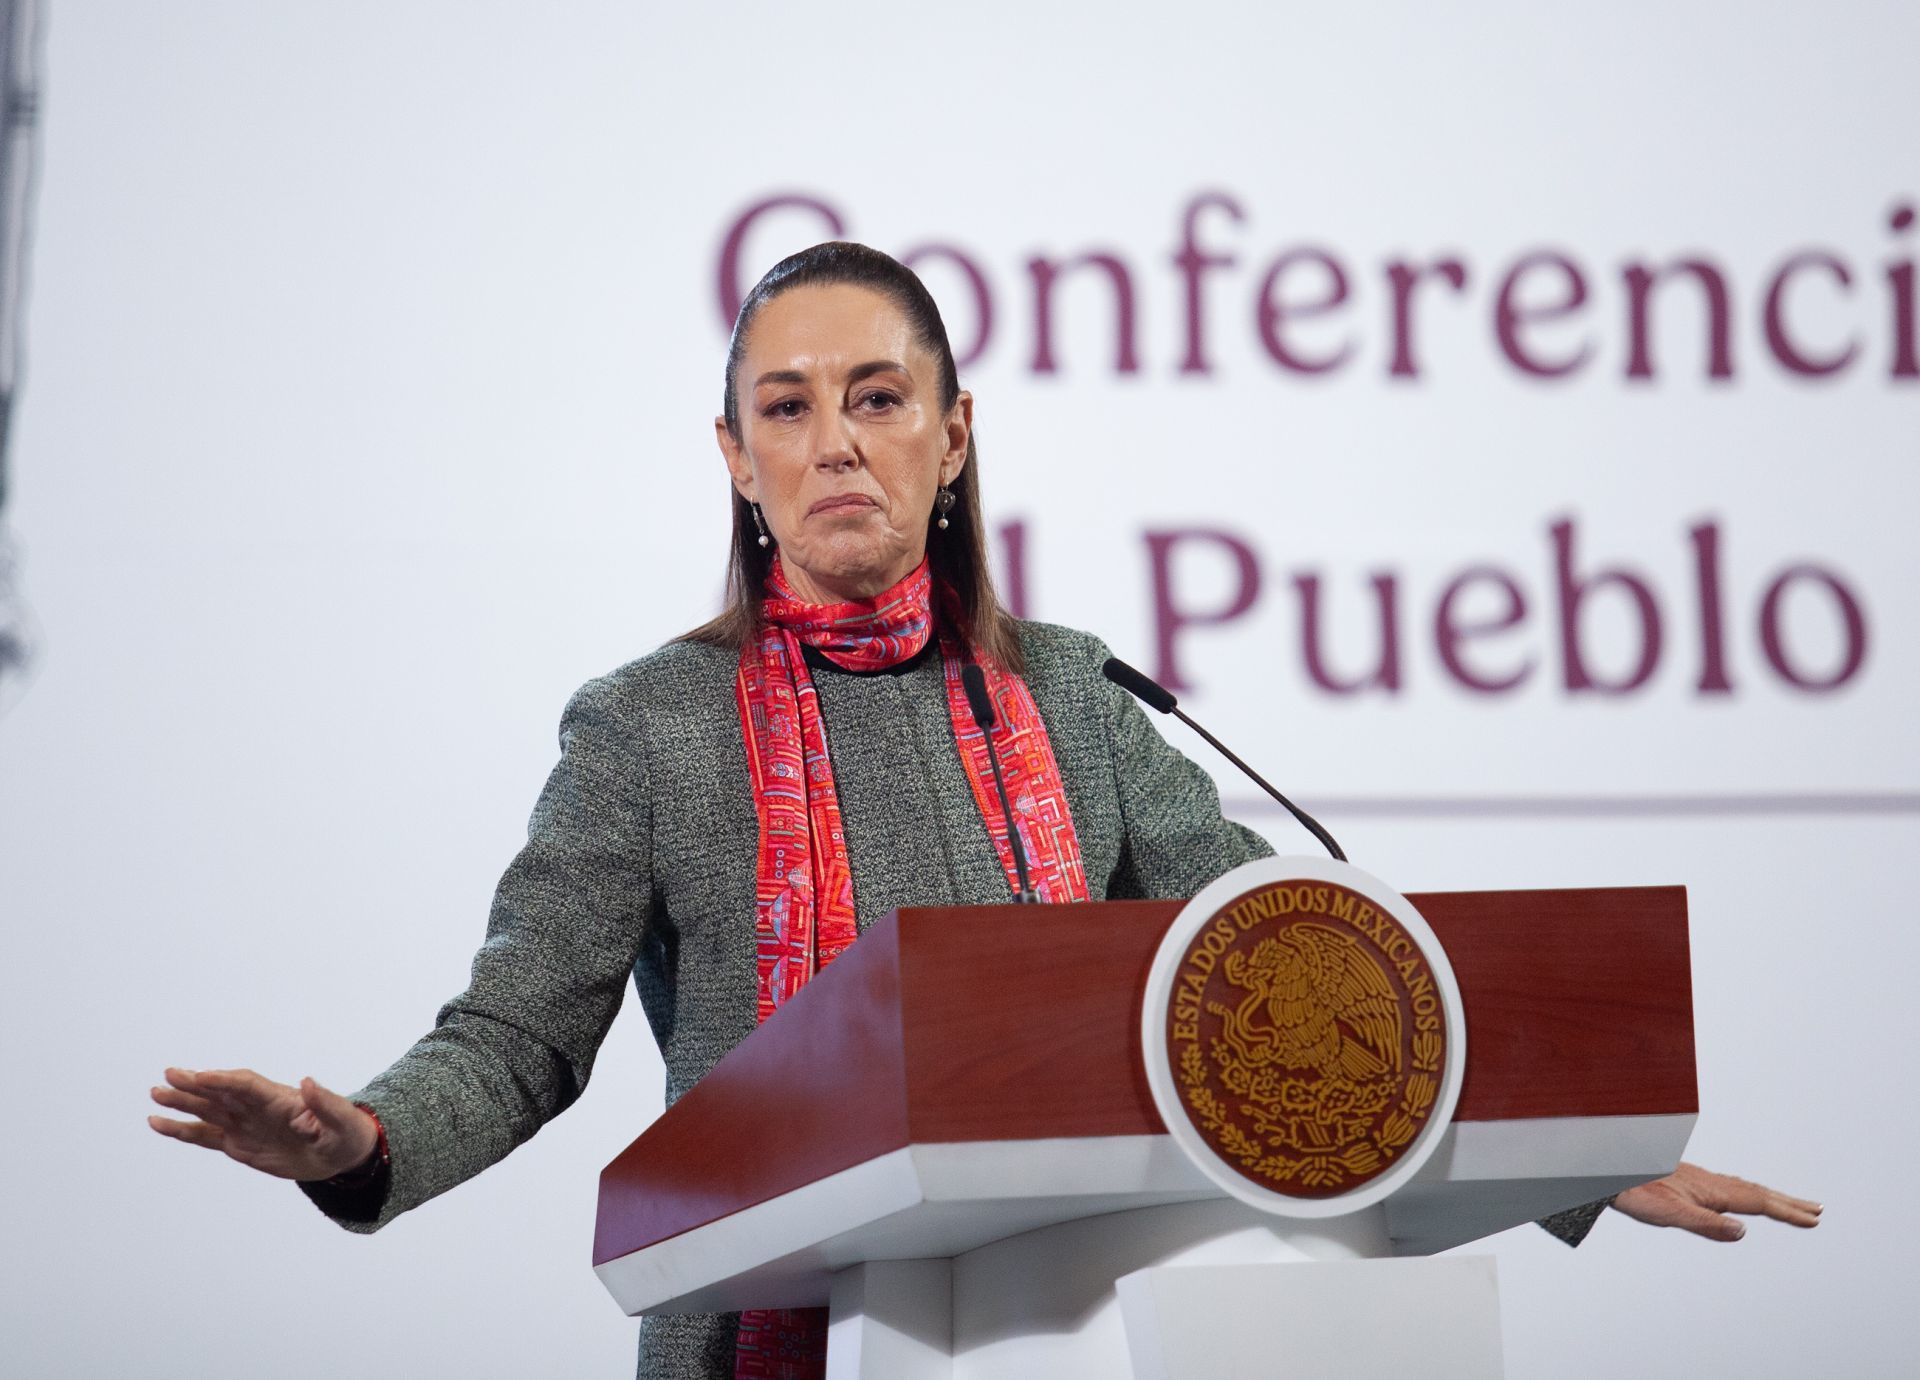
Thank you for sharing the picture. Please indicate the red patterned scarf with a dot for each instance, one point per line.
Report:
(804, 892)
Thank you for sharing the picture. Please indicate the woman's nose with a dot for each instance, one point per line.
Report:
(833, 447)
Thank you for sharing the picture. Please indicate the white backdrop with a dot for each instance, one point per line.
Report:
(371, 361)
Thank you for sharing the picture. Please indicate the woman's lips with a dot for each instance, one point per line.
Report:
(841, 503)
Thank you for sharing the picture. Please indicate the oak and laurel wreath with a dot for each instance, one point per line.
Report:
(1316, 1170)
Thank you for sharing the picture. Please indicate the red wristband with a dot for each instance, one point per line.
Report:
(377, 1162)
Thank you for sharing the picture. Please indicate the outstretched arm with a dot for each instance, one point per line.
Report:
(511, 1051)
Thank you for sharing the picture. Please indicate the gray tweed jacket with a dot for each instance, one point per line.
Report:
(640, 859)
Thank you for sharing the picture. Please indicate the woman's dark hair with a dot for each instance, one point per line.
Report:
(957, 555)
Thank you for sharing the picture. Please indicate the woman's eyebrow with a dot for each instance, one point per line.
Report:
(876, 366)
(857, 373)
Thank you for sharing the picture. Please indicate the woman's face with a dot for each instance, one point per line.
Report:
(843, 441)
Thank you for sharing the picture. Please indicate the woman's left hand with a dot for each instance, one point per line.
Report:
(1698, 1200)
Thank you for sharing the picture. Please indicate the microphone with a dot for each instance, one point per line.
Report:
(1156, 696)
(974, 681)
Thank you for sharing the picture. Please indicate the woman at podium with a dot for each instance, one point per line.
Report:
(730, 812)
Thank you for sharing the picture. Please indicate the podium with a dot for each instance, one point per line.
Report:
(949, 1138)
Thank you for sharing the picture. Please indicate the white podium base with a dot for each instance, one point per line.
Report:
(1212, 1289)
(1357, 1319)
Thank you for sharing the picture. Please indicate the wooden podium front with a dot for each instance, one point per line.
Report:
(965, 1076)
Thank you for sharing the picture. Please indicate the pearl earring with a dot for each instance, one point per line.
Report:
(943, 504)
(760, 522)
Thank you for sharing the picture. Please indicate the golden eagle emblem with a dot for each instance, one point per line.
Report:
(1307, 1050)
(1315, 1000)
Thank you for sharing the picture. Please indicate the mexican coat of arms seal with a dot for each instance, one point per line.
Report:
(1303, 1035)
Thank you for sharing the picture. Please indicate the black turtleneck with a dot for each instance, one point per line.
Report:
(818, 661)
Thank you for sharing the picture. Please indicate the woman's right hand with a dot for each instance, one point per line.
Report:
(306, 1132)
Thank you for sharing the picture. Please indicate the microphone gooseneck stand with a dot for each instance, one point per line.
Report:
(1154, 695)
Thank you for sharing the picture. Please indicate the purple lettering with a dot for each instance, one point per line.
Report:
(1404, 277)
(1773, 639)
(1386, 671)
(1170, 619)
(1509, 315)
(1013, 541)
(1451, 633)
(1640, 281)
(1192, 261)
(732, 291)
(1906, 339)
(982, 297)
(1779, 342)
(1044, 272)
(1706, 564)
(1272, 313)
(1573, 593)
